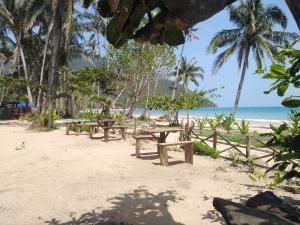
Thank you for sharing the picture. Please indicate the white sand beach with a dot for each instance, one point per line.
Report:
(61, 180)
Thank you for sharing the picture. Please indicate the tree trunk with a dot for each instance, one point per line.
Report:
(56, 45)
(177, 72)
(26, 74)
(43, 67)
(117, 98)
(2, 95)
(239, 91)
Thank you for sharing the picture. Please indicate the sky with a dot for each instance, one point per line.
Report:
(228, 76)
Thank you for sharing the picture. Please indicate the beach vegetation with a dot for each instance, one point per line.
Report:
(255, 32)
(216, 122)
(201, 148)
(285, 137)
(191, 100)
(243, 127)
(201, 123)
(228, 123)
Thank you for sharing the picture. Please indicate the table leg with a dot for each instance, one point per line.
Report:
(77, 130)
(123, 134)
(106, 134)
(91, 131)
(67, 129)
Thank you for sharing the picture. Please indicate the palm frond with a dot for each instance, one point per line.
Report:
(277, 16)
(223, 57)
(223, 38)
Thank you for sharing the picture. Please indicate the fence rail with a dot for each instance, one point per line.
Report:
(246, 151)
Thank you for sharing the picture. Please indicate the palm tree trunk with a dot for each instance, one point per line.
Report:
(2, 95)
(26, 75)
(43, 67)
(239, 91)
(56, 44)
(177, 72)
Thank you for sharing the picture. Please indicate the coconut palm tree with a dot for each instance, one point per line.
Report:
(19, 17)
(188, 36)
(255, 31)
(188, 72)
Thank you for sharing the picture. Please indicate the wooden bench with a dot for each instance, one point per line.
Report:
(163, 152)
(121, 128)
(138, 139)
(78, 125)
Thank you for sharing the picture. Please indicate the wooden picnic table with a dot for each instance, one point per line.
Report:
(108, 124)
(162, 131)
(77, 123)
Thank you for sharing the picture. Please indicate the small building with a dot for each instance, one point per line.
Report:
(13, 110)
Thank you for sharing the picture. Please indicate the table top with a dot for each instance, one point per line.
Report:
(106, 120)
(162, 130)
(78, 121)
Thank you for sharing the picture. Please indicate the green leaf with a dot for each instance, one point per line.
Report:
(282, 87)
(259, 71)
(291, 103)
(278, 70)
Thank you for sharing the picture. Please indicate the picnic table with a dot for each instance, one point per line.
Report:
(162, 131)
(162, 145)
(108, 124)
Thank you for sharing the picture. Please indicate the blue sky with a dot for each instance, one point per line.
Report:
(228, 76)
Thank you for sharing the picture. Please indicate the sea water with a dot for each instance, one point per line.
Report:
(258, 114)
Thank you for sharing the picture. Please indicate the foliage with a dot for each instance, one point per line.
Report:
(285, 76)
(228, 123)
(203, 149)
(286, 137)
(287, 157)
(189, 101)
(201, 123)
(243, 127)
(40, 122)
(216, 122)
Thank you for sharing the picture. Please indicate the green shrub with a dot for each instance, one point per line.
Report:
(201, 148)
(243, 127)
(201, 123)
(72, 127)
(228, 123)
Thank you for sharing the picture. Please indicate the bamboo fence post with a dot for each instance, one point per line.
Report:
(248, 147)
(215, 137)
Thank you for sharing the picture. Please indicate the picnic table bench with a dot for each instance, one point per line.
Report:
(122, 130)
(163, 151)
(77, 124)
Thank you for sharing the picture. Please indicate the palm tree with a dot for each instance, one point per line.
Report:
(188, 72)
(19, 17)
(255, 31)
(188, 36)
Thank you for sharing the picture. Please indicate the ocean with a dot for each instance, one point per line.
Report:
(257, 114)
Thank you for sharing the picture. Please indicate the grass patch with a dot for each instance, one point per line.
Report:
(201, 148)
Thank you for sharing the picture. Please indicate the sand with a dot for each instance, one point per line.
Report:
(61, 180)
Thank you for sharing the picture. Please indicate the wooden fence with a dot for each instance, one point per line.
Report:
(246, 150)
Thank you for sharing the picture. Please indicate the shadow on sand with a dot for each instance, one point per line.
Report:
(138, 207)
